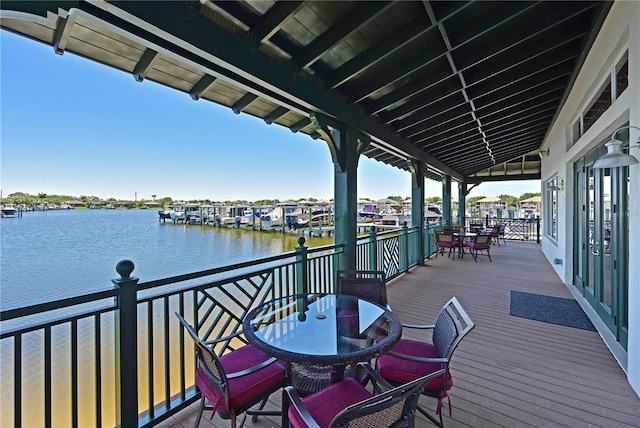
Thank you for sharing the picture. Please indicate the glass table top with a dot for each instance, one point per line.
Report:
(322, 328)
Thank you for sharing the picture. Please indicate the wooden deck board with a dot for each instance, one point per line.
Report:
(509, 371)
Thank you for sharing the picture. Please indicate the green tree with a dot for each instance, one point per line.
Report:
(436, 200)
(528, 195)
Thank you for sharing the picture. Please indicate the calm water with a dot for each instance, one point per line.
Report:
(55, 253)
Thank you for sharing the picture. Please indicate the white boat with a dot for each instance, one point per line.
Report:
(318, 218)
(395, 215)
(367, 212)
(9, 210)
(182, 211)
(284, 213)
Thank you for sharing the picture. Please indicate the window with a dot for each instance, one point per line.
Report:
(550, 216)
(622, 76)
(599, 106)
(616, 83)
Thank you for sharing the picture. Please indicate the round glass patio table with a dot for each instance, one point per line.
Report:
(331, 330)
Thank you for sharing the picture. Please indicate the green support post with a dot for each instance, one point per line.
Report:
(302, 286)
(446, 201)
(126, 346)
(462, 203)
(405, 256)
(284, 219)
(373, 249)
(417, 206)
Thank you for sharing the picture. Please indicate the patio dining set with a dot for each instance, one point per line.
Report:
(337, 359)
(477, 240)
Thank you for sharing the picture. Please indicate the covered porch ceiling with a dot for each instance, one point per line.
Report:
(470, 88)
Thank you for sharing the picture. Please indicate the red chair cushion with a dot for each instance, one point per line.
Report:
(447, 244)
(475, 246)
(402, 371)
(245, 388)
(324, 405)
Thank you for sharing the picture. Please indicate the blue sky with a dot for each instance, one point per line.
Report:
(75, 127)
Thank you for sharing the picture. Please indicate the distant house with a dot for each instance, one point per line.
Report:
(75, 203)
(531, 207)
(491, 204)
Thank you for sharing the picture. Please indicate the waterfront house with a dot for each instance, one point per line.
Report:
(531, 207)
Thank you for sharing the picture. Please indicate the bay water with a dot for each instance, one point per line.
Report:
(50, 254)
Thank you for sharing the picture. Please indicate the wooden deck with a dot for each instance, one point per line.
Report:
(509, 371)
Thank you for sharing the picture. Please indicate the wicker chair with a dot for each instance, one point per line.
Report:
(365, 284)
(236, 381)
(476, 227)
(482, 242)
(501, 234)
(411, 359)
(349, 403)
(444, 241)
(495, 234)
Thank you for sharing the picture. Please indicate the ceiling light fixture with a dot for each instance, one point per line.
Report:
(614, 156)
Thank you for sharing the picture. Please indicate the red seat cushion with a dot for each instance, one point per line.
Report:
(245, 388)
(324, 405)
(402, 371)
(447, 244)
(475, 246)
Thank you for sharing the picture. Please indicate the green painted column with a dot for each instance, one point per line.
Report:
(417, 205)
(345, 145)
(462, 203)
(346, 198)
(446, 201)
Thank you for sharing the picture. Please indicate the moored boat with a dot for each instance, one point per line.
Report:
(9, 210)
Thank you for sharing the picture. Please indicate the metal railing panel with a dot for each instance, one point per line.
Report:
(86, 334)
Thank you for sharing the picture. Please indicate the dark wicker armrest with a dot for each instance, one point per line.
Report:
(417, 359)
(290, 397)
(380, 383)
(428, 326)
(222, 339)
(252, 369)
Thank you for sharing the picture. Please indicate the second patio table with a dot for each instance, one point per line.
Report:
(331, 330)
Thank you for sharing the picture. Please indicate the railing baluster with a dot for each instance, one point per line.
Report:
(74, 373)
(17, 379)
(181, 344)
(98, 369)
(150, 371)
(167, 371)
(47, 377)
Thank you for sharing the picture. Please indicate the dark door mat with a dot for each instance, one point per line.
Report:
(554, 310)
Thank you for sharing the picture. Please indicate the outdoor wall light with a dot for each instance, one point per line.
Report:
(555, 184)
(543, 153)
(614, 156)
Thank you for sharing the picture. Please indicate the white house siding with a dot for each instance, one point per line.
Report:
(620, 32)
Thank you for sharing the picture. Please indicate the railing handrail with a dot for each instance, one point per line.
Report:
(54, 304)
(18, 311)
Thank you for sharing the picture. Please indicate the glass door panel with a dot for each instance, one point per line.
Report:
(591, 250)
(606, 297)
(601, 241)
